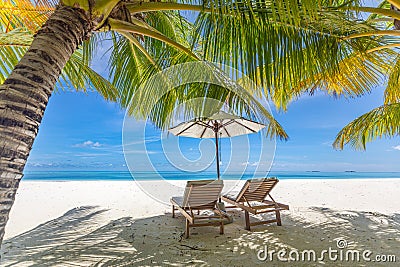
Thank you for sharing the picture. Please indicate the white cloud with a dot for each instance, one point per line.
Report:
(140, 152)
(327, 143)
(396, 147)
(97, 144)
(251, 164)
(141, 142)
(90, 155)
(88, 143)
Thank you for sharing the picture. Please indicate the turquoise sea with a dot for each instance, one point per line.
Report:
(179, 175)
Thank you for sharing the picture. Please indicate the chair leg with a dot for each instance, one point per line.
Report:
(278, 218)
(221, 228)
(187, 229)
(247, 218)
(173, 211)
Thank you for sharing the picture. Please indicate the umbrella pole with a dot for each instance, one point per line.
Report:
(216, 152)
(217, 157)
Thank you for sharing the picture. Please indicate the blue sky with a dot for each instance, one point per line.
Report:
(81, 131)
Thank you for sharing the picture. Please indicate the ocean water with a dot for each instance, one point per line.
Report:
(179, 175)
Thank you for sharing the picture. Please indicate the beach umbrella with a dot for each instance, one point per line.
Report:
(218, 125)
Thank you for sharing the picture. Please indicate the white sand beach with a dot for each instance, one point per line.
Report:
(105, 223)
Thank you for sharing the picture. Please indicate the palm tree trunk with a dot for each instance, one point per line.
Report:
(24, 96)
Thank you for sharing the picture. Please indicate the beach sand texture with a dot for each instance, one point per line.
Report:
(105, 223)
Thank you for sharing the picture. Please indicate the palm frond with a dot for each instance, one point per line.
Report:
(13, 46)
(24, 14)
(392, 91)
(79, 76)
(381, 122)
(90, 46)
(189, 90)
(127, 63)
(123, 26)
(356, 75)
(256, 38)
(76, 74)
(135, 58)
(20, 19)
(17, 37)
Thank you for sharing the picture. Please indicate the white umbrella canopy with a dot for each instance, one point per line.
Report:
(218, 125)
(225, 124)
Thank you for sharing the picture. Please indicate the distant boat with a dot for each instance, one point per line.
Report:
(349, 171)
(313, 171)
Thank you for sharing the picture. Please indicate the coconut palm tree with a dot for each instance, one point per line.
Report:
(271, 41)
(19, 21)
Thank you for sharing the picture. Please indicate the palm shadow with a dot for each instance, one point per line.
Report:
(76, 238)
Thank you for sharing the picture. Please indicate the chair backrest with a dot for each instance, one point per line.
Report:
(256, 189)
(202, 193)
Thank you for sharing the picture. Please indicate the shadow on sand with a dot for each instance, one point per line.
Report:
(78, 239)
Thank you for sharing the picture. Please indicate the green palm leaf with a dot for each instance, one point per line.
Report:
(356, 75)
(135, 58)
(18, 28)
(197, 90)
(76, 75)
(24, 14)
(79, 76)
(380, 122)
(13, 46)
(392, 91)
(278, 41)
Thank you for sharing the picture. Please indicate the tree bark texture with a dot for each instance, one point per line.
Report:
(24, 96)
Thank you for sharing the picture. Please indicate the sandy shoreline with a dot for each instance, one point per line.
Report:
(81, 223)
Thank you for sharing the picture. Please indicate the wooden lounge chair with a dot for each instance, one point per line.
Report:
(252, 199)
(199, 195)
